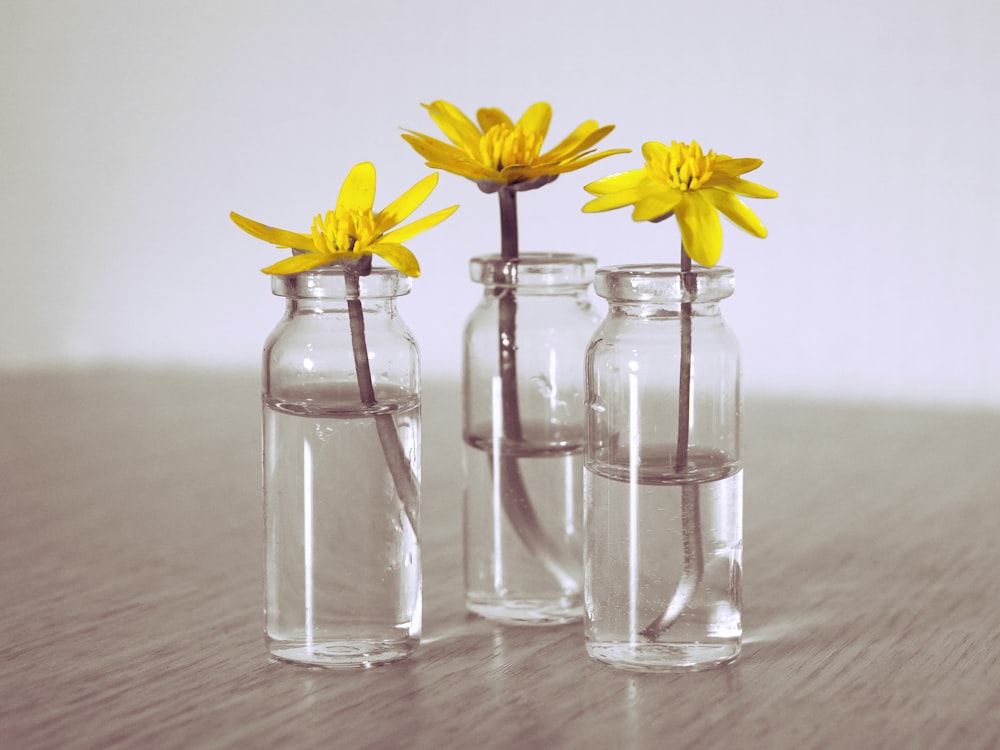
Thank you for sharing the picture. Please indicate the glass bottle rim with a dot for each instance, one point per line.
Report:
(534, 270)
(328, 282)
(662, 283)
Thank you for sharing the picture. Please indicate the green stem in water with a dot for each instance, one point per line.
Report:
(694, 560)
(513, 490)
(395, 457)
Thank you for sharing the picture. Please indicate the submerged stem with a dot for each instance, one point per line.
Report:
(385, 425)
(513, 490)
(694, 561)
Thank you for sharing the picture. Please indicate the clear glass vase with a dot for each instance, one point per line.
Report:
(663, 477)
(523, 431)
(341, 445)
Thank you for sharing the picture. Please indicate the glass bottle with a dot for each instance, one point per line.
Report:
(663, 473)
(341, 462)
(523, 431)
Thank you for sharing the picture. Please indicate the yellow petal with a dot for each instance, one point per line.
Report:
(397, 256)
(579, 162)
(597, 135)
(517, 173)
(701, 230)
(656, 205)
(611, 202)
(405, 204)
(739, 186)
(735, 167)
(735, 210)
(454, 124)
(531, 172)
(432, 148)
(416, 227)
(580, 140)
(615, 182)
(358, 191)
(303, 262)
(654, 150)
(440, 155)
(490, 116)
(279, 237)
(536, 119)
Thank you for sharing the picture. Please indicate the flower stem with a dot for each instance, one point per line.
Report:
(513, 490)
(507, 325)
(395, 457)
(508, 224)
(694, 561)
(684, 384)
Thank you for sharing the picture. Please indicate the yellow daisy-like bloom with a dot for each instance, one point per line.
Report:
(352, 229)
(681, 179)
(499, 153)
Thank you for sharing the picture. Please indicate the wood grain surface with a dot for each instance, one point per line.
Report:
(130, 577)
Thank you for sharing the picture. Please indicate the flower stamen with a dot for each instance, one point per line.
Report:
(683, 167)
(505, 146)
(344, 230)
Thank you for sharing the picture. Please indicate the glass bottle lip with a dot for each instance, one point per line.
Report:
(541, 270)
(328, 282)
(661, 283)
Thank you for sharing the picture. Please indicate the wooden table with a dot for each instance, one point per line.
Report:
(130, 575)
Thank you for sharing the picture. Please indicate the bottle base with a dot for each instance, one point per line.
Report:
(664, 657)
(345, 654)
(530, 612)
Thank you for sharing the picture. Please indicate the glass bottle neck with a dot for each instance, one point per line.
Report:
(330, 285)
(310, 306)
(663, 310)
(665, 286)
(563, 274)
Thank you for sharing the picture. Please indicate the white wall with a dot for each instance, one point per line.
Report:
(130, 128)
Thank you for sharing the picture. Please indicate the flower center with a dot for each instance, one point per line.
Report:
(343, 231)
(683, 166)
(503, 146)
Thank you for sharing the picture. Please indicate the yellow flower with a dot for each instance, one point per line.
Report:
(500, 153)
(352, 230)
(680, 179)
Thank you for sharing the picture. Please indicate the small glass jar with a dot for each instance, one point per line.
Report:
(663, 477)
(523, 431)
(341, 472)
